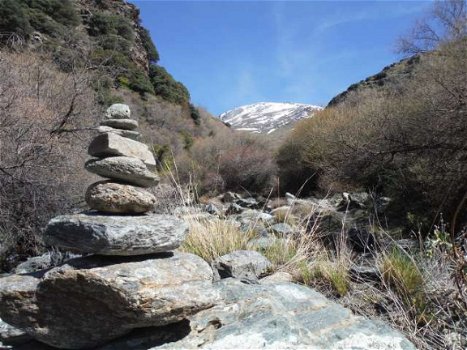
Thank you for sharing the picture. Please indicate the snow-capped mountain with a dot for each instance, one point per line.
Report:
(267, 117)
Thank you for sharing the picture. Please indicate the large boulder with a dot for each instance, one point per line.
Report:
(124, 124)
(128, 169)
(242, 264)
(131, 134)
(91, 300)
(110, 144)
(118, 111)
(111, 197)
(271, 316)
(115, 234)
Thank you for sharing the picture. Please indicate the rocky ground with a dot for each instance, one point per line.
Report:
(126, 280)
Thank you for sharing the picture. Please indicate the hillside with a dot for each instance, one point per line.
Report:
(106, 37)
(390, 76)
(267, 117)
(62, 64)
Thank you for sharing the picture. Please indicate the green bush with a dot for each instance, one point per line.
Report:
(148, 45)
(44, 24)
(166, 86)
(102, 23)
(194, 114)
(115, 43)
(61, 11)
(138, 81)
(14, 18)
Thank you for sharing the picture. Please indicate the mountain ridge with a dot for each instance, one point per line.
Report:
(267, 117)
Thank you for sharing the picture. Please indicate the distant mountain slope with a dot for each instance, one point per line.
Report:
(394, 75)
(267, 117)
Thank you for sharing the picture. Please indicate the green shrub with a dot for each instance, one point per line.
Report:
(149, 46)
(61, 11)
(194, 114)
(14, 18)
(102, 23)
(138, 81)
(115, 43)
(166, 86)
(401, 273)
(44, 24)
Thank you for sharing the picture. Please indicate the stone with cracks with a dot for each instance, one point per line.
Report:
(131, 134)
(109, 144)
(124, 124)
(89, 301)
(127, 169)
(118, 111)
(96, 233)
(279, 316)
(242, 264)
(111, 197)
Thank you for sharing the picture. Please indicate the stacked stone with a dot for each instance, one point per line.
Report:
(122, 283)
(125, 162)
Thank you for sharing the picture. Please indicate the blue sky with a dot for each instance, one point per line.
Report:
(231, 53)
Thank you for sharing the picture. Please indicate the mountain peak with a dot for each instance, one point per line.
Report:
(267, 117)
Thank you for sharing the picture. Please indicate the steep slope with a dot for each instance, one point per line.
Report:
(393, 75)
(267, 117)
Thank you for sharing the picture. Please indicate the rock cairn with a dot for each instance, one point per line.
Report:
(129, 278)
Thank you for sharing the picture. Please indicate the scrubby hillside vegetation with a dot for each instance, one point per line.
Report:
(62, 63)
(403, 136)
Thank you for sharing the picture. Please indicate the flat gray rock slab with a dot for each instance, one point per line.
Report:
(282, 316)
(242, 264)
(118, 111)
(110, 144)
(115, 234)
(89, 301)
(129, 169)
(118, 198)
(124, 124)
(131, 134)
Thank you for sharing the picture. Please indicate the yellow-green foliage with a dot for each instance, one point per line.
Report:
(333, 272)
(401, 273)
(210, 239)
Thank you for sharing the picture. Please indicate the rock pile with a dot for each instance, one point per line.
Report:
(131, 279)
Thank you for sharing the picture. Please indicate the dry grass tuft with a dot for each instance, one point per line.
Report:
(210, 239)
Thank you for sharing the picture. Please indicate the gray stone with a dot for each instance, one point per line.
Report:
(256, 215)
(127, 169)
(212, 209)
(364, 273)
(131, 134)
(242, 264)
(115, 234)
(124, 124)
(118, 111)
(111, 197)
(277, 277)
(353, 201)
(233, 209)
(109, 144)
(266, 242)
(282, 316)
(10, 335)
(229, 197)
(248, 203)
(92, 300)
(44, 261)
(282, 229)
